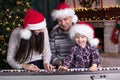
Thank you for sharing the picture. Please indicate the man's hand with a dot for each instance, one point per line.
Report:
(62, 68)
(49, 67)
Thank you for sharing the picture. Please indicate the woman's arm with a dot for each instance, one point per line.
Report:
(46, 51)
(13, 46)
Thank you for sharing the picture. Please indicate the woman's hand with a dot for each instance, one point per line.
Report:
(49, 67)
(62, 68)
(30, 67)
(93, 67)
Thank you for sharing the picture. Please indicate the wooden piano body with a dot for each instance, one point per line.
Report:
(107, 73)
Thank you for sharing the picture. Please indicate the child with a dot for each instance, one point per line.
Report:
(84, 54)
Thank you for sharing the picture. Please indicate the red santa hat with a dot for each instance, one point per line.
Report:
(63, 10)
(33, 20)
(84, 29)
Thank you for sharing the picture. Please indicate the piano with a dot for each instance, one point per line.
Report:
(106, 73)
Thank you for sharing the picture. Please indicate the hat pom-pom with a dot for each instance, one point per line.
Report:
(75, 19)
(94, 42)
(25, 34)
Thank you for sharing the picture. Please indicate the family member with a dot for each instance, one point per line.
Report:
(29, 46)
(85, 53)
(60, 41)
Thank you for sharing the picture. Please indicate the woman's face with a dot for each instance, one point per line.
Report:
(65, 22)
(81, 40)
(36, 32)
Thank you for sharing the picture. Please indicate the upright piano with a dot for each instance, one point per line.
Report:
(106, 73)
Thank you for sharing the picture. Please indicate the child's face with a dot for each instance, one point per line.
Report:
(81, 40)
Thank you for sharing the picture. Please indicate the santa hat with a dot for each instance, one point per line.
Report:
(84, 29)
(63, 10)
(33, 20)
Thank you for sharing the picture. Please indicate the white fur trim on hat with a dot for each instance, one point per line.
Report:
(74, 19)
(37, 26)
(94, 42)
(84, 29)
(62, 13)
(25, 34)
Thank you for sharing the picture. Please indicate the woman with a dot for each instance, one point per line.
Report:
(29, 47)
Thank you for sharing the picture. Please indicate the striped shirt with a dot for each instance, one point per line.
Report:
(60, 44)
(82, 57)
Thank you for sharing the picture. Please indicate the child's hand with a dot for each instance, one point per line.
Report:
(62, 68)
(93, 67)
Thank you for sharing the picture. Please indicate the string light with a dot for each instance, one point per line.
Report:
(97, 13)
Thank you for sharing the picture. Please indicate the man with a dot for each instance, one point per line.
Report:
(60, 41)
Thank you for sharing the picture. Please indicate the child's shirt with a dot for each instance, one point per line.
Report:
(82, 57)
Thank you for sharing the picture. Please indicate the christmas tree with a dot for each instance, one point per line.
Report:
(11, 16)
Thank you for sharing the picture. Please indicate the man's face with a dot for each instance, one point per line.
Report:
(65, 23)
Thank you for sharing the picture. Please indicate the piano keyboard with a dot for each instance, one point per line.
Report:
(69, 70)
(105, 73)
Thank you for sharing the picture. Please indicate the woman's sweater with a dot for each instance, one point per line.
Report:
(14, 44)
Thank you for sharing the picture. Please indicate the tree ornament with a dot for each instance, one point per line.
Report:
(19, 2)
(8, 28)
